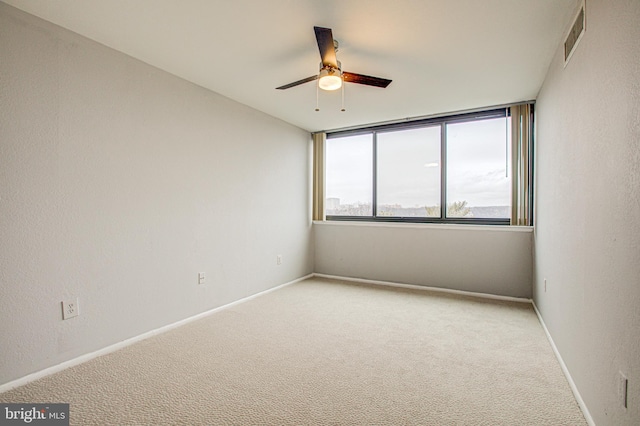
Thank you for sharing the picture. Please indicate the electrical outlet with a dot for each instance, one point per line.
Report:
(279, 259)
(201, 278)
(70, 309)
(623, 384)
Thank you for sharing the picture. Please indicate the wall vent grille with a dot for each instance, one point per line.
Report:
(575, 34)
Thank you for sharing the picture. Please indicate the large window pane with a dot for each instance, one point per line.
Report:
(478, 185)
(349, 176)
(409, 173)
(454, 169)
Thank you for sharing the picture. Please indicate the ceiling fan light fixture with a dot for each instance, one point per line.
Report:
(330, 79)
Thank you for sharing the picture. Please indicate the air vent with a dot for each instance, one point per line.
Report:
(575, 34)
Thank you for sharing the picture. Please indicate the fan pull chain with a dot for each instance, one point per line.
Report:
(343, 110)
(317, 96)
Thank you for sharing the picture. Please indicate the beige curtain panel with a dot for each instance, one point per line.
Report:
(318, 175)
(521, 132)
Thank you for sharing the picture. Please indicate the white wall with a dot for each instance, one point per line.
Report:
(118, 184)
(483, 259)
(587, 240)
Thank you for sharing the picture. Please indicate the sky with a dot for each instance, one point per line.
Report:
(409, 165)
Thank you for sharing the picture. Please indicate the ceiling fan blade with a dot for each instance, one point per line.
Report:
(297, 83)
(351, 77)
(324, 37)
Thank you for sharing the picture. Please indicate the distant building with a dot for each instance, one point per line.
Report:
(332, 203)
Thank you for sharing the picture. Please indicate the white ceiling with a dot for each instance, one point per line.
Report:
(442, 55)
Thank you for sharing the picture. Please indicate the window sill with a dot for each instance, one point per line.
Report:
(409, 225)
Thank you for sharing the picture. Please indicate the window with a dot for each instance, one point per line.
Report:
(349, 174)
(478, 183)
(407, 172)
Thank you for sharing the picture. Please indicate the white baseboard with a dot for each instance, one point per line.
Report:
(116, 346)
(422, 287)
(565, 370)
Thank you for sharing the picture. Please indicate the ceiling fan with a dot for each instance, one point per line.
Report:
(331, 75)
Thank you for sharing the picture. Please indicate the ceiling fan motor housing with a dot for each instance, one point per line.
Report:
(330, 69)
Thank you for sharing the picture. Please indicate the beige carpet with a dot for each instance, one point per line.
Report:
(328, 352)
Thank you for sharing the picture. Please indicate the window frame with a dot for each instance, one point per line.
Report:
(441, 121)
